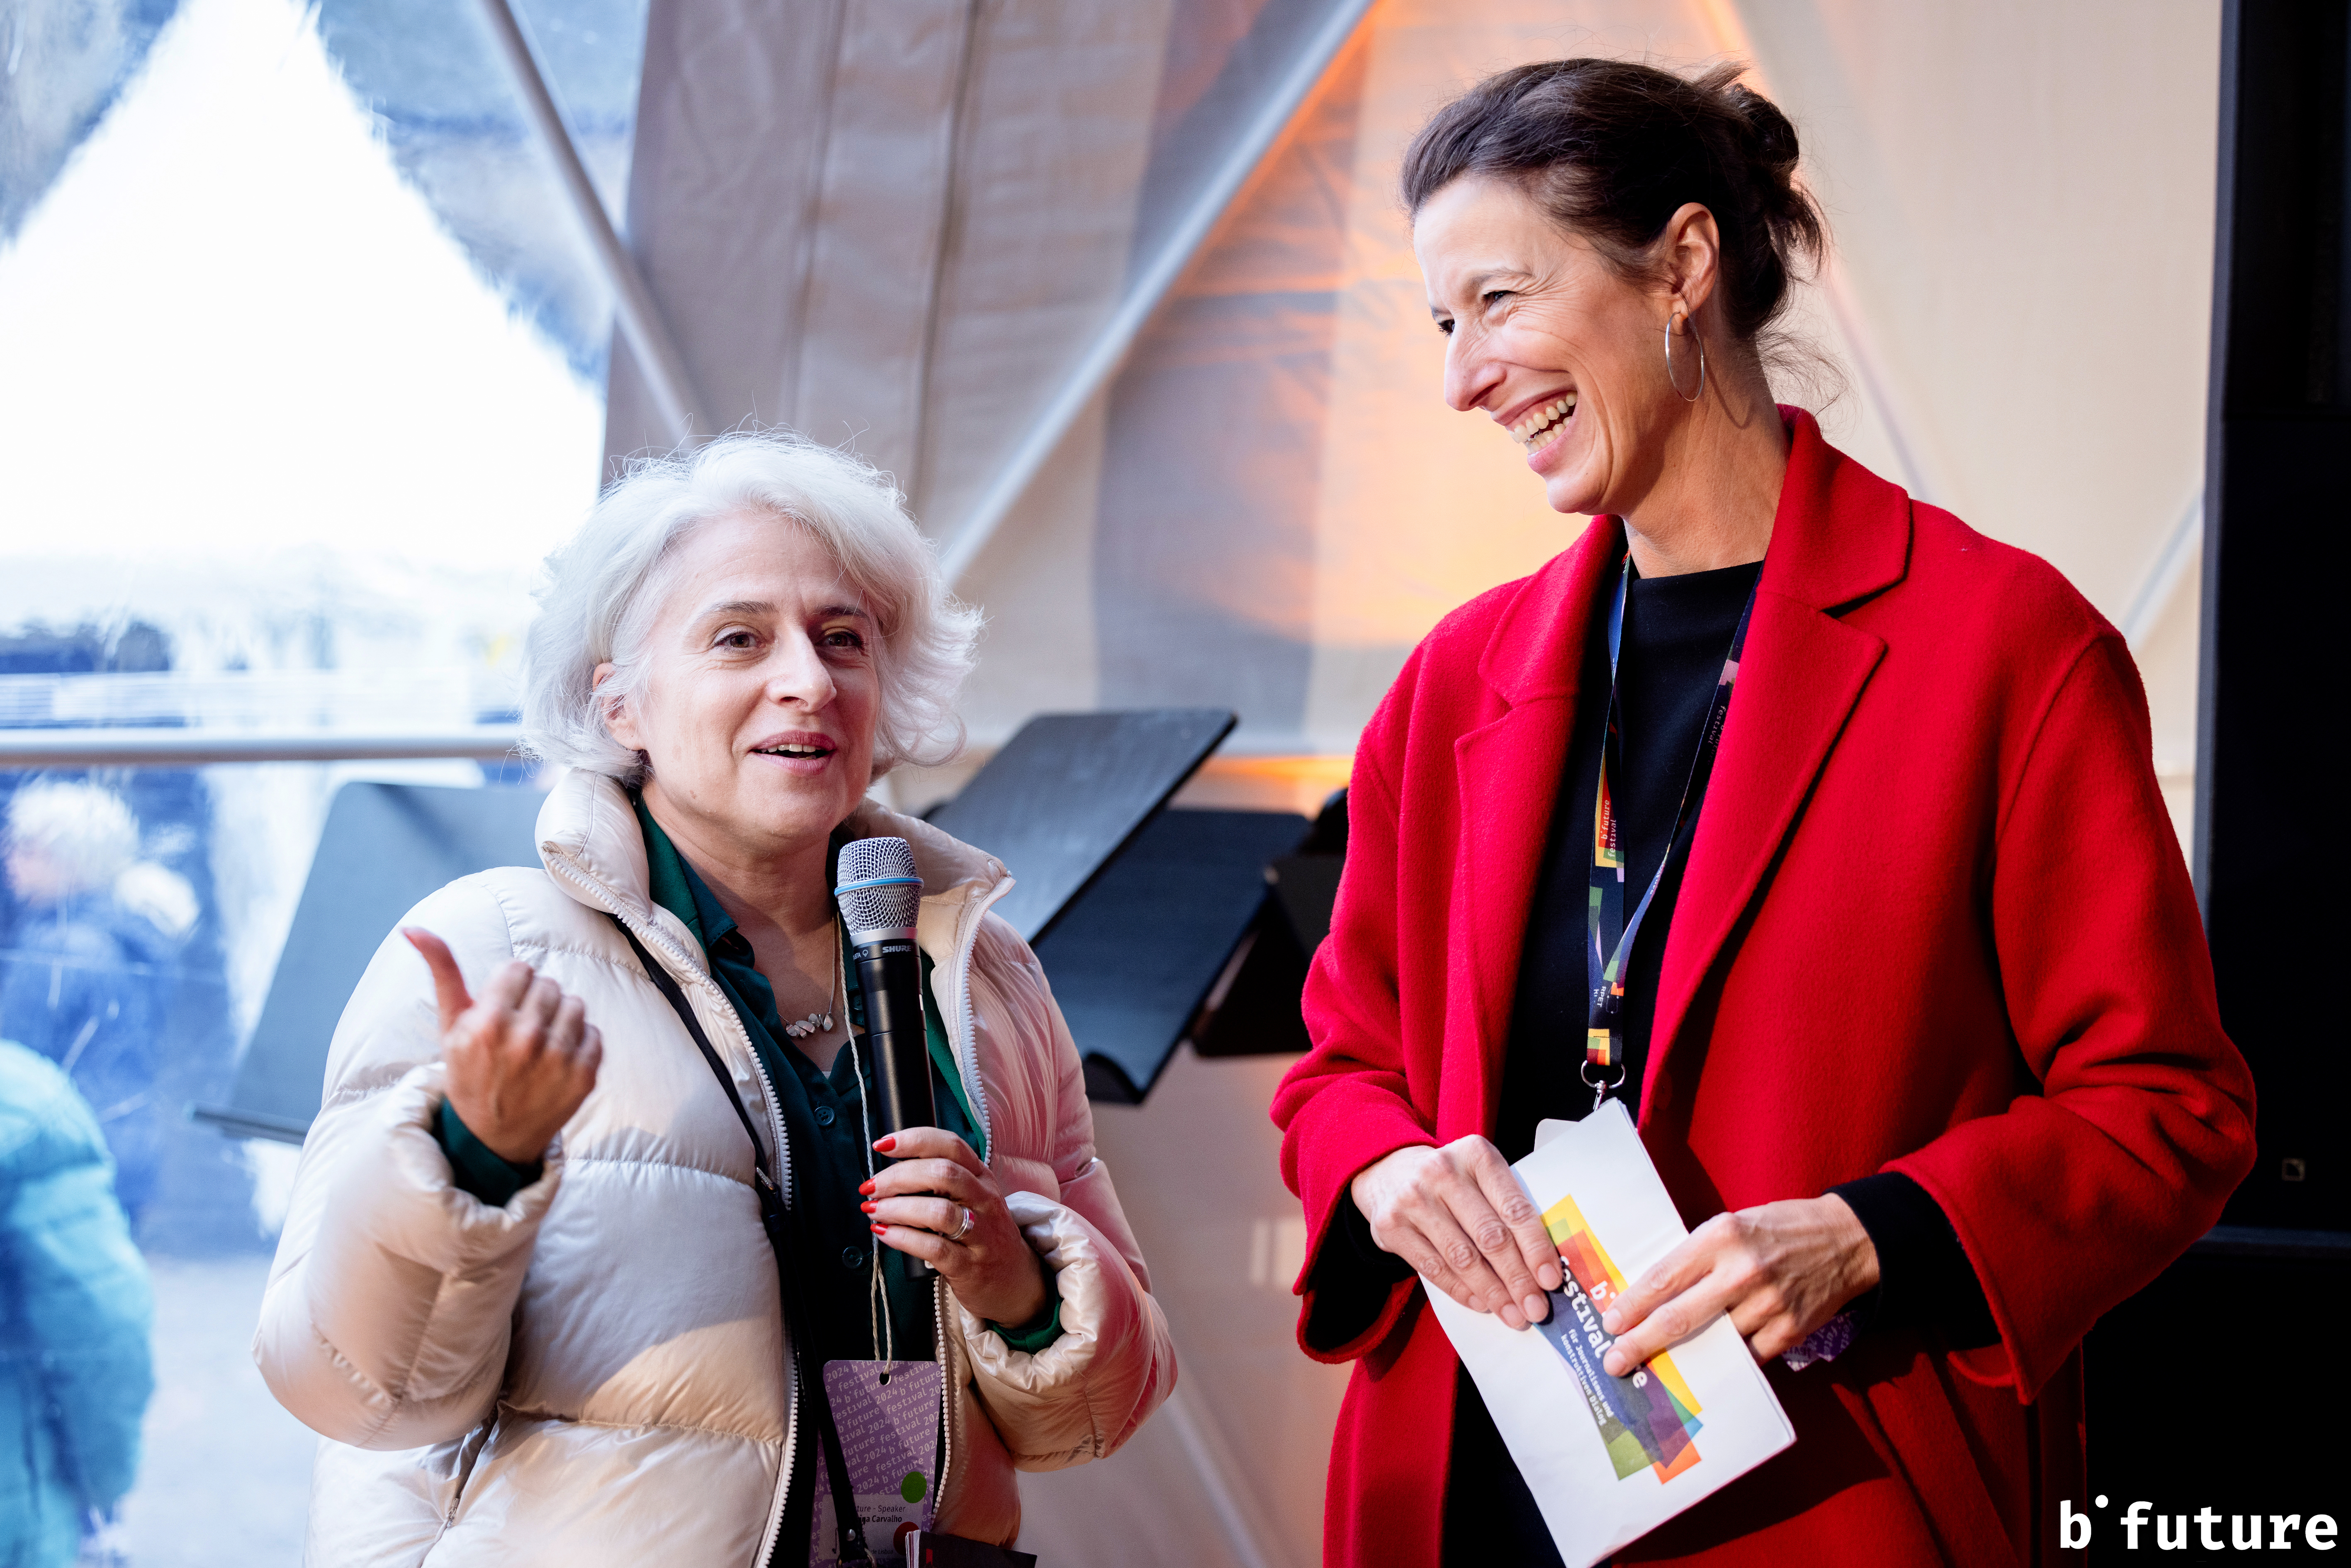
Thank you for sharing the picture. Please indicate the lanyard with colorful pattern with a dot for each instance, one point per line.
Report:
(1612, 932)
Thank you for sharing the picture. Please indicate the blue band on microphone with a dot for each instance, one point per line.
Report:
(878, 882)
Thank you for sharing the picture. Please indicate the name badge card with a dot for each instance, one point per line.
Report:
(888, 1414)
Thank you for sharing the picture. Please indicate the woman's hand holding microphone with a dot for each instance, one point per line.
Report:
(937, 1202)
(520, 1060)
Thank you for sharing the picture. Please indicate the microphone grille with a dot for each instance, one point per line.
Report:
(890, 894)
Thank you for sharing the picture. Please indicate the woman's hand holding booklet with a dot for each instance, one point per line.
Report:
(1609, 1457)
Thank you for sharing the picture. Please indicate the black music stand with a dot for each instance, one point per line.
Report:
(1067, 792)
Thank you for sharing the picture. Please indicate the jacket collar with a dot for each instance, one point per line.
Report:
(591, 846)
(1841, 533)
(1509, 768)
(1535, 650)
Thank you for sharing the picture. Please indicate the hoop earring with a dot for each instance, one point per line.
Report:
(1671, 378)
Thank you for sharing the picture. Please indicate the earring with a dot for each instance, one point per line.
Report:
(1670, 376)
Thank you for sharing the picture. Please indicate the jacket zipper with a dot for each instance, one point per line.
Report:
(784, 1169)
(792, 1422)
(967, 1048)
(469, 1453)
(947, 1394)
(968, 1067)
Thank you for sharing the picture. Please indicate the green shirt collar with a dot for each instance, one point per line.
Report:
(677, 888)
(674, 884)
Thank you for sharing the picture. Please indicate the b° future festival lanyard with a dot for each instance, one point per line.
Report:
(1612, 931)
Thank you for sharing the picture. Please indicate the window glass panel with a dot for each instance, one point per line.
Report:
(305, 376)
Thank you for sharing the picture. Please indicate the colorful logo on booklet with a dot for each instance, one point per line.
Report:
(1646, 1420)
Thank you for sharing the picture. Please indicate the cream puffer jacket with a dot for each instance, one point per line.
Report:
(597, 1372)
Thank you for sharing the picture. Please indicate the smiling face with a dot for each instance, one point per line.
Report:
(1546, 338)
(757, 701)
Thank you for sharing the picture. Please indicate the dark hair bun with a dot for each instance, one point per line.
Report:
(1770, 138)
(1613, 150)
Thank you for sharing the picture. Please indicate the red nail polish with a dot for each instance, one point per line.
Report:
(881, 1231)
(886, 1144)
(868, 1208)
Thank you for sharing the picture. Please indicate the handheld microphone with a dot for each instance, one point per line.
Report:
(879, 897)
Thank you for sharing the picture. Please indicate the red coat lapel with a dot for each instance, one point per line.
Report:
(1508, 773)
(1841, 535)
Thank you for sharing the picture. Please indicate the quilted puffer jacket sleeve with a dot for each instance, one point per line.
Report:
(386, 1320)
(1084, 1394)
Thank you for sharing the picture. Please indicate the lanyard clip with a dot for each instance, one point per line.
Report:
(1601, 1087)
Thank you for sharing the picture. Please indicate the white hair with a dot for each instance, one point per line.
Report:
(604, 588)
(84, 831)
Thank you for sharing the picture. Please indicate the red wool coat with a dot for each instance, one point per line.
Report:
(1935, 921)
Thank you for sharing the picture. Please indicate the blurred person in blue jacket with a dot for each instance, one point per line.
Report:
(74, 1312)
(89, 979)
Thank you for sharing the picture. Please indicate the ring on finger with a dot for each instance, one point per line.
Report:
(965, 1229)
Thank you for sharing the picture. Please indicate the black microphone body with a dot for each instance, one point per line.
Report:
(889, 973)
(879, 897)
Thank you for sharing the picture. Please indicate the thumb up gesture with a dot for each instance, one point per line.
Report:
(520, 1060)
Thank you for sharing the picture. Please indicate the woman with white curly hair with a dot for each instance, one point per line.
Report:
(591, 1235)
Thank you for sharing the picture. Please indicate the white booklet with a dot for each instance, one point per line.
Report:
(1610, 1459)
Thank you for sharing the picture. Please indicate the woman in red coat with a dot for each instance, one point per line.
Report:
(1894, 956)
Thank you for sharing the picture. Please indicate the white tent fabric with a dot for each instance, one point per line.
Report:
(902, 225)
